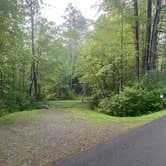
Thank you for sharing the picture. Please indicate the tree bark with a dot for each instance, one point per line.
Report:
(148, 36)
(136, 31)
(33, 77)
(154, 43)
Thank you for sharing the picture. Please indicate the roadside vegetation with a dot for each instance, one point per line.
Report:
(83, 109)
(65, 88)
(119, 64)
(40, 137)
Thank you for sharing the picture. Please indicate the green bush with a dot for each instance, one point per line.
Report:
(16, 101)
(50, 96)
(2, 108)
(132, 101)
(95, 99)
(154, 80)
(65, 93)
(60, 92)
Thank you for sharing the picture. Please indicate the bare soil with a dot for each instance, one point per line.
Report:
(57, 134)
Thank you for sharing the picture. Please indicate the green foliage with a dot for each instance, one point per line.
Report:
(2, 108)
(64, 93)
(95, 99)
(15, 101)
(155, 79)
(106, 59)
(14, 57)
(94, 102)
(132, 101)
(101, 58)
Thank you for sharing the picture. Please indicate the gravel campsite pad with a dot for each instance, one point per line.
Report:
(55, 135)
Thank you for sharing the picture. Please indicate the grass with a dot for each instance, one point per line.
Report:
(121, 125)
(84, 111)
(24, 115)
(64, 104)
(99, 117)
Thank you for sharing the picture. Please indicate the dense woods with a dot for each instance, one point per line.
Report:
(118, 61)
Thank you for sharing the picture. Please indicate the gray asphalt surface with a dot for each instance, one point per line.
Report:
(145, 146)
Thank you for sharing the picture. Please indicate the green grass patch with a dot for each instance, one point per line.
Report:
(24, 115)
(100, 117)
(83, 110)
(64, 104)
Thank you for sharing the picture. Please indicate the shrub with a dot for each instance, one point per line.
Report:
(95, 99)
(50, 96)
(2, 108)
(65, 93)
(17, 101)
(154, 79)
(132, 101)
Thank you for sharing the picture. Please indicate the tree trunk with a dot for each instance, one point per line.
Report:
(153, 57)
(148, 36)
(121, 56)
(136, 31)
(33, 77)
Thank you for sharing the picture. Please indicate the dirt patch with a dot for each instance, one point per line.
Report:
(55, 135)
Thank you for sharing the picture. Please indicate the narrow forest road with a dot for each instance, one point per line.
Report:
(145, 146)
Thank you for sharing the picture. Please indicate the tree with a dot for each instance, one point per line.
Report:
(153, 48)
(101, 59)
(74, 26)
(148, 36)
(14, 57)
(34, 6)
(51, 61)
(152, 35)
(136, 38)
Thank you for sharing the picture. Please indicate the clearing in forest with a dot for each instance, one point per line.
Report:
(40, 137)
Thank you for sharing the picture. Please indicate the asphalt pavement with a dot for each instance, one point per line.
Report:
(145, 146)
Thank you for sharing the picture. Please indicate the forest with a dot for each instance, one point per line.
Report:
(116, 63)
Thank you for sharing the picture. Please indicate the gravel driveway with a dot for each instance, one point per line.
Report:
(57, 134)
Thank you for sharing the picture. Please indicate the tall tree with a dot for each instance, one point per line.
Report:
(75, 25)
(14, 55)
(148, 36)
(34, 6)
(136, 38)
(154, 43)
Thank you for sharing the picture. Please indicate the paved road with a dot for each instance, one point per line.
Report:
(145, 146)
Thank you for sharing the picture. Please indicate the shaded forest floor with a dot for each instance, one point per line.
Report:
(39, 137)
